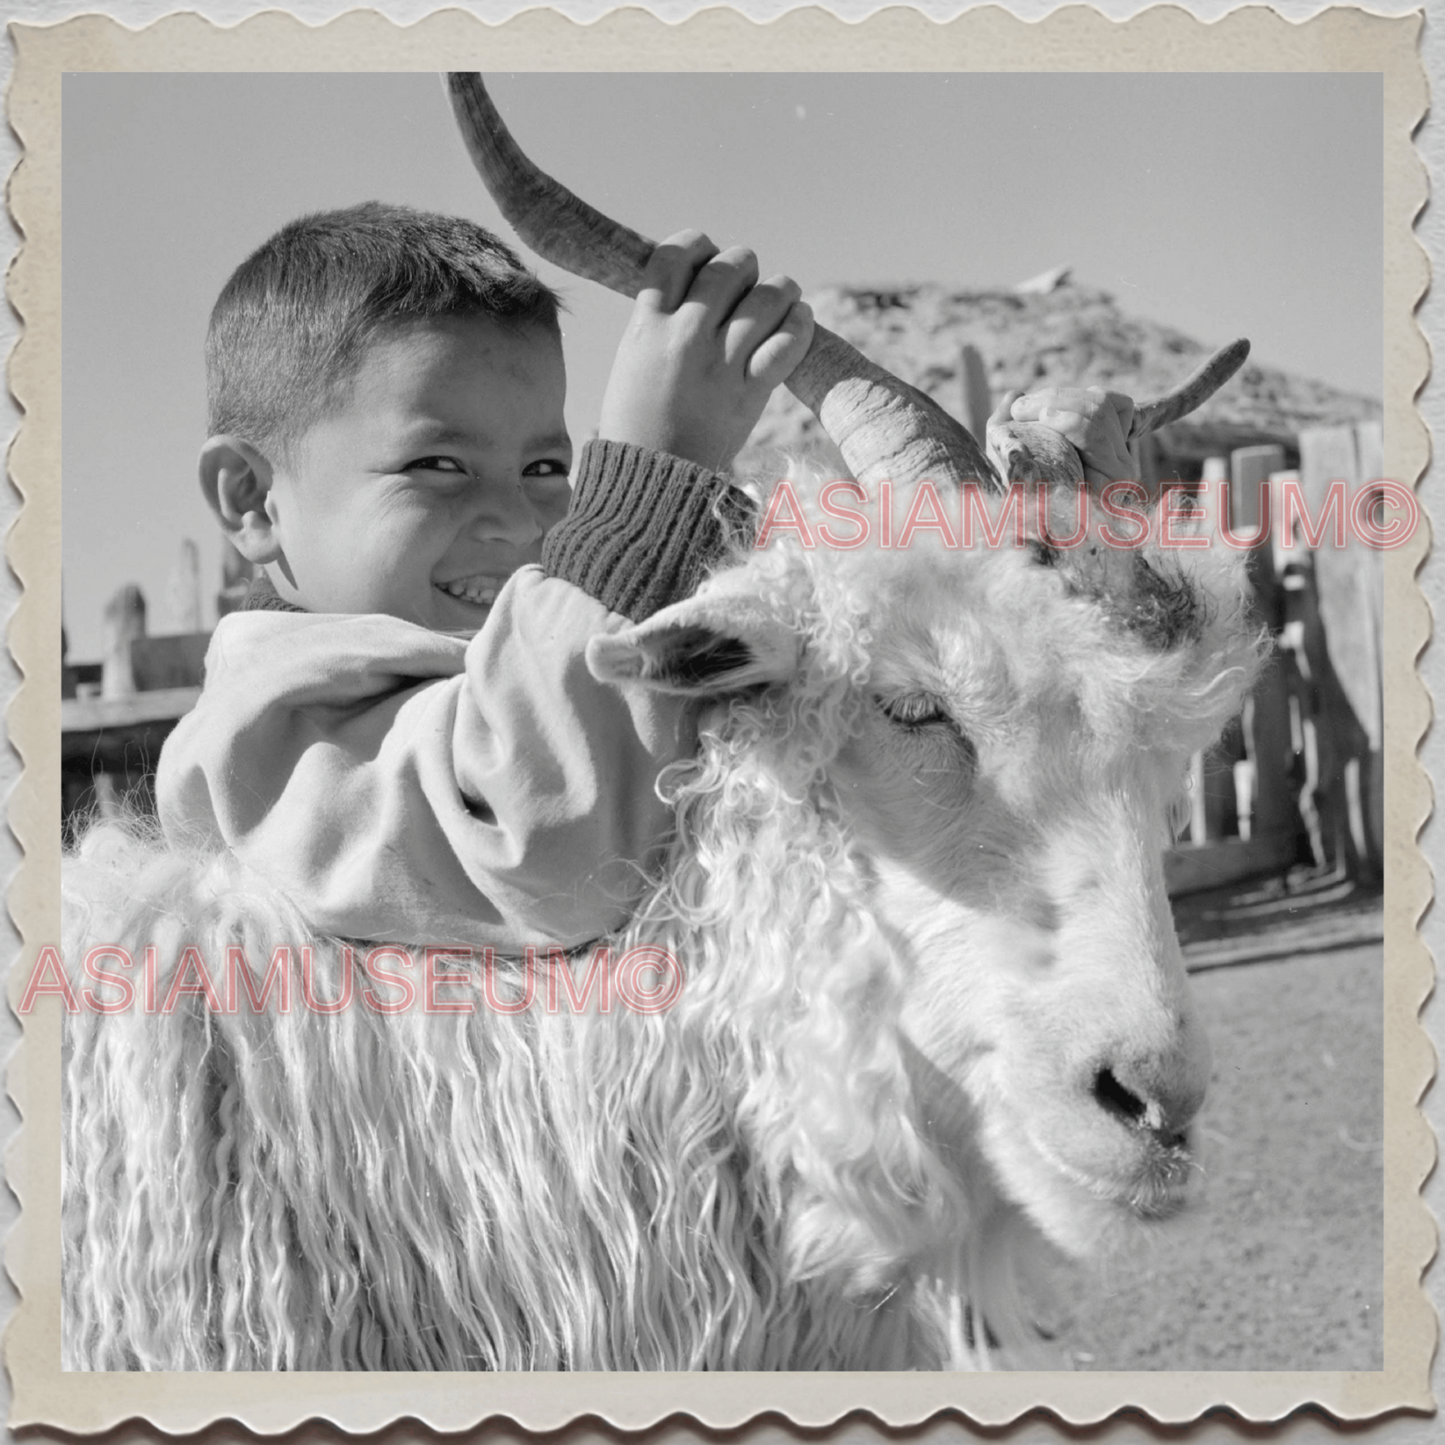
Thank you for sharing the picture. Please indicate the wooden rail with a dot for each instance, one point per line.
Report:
(80, 715)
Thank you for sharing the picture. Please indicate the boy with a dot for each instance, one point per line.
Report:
(404, 737)
(402, 734)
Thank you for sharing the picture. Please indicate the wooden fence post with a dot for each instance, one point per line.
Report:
(1350, 583)
(125, 620)
(1350, 578)
(973, 380)
(1214, 471)
(1370, 445)
(1250, 469)
(1267, 741)
(183, 590)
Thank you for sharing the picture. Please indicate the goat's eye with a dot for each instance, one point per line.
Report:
(915, 710)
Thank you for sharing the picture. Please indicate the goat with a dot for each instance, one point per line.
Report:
(933, 1012)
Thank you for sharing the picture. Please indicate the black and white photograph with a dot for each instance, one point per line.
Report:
(723, 721)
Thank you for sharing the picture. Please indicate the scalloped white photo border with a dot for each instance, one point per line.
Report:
(1255, 39)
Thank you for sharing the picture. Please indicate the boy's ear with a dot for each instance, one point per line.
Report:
(236, 482)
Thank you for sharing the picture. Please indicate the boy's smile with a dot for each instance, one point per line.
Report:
(432, 480)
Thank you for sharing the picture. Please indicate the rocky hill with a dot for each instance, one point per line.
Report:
(1069, 335)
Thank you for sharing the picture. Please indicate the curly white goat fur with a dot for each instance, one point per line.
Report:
(824, 1155)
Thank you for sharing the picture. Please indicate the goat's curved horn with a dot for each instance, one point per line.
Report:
(1193, 391)
(884, 428)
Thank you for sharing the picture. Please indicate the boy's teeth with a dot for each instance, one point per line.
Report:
(482, 590)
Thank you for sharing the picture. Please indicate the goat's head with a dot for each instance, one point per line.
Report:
(1014, 728)
(1004, 748)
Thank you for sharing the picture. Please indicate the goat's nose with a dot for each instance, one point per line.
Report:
(1150, 1096)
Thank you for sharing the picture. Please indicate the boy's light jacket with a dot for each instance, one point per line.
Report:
(405, 785)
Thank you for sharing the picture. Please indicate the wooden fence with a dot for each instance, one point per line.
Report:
(1297, 781)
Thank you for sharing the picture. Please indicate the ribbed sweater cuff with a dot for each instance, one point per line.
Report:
(644, 527)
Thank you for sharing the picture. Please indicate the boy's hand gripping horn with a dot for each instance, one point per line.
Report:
(885, 429)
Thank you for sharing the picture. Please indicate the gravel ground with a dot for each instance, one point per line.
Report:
(1279, 1265)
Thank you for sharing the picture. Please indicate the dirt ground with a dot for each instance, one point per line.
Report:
(1279, 1265)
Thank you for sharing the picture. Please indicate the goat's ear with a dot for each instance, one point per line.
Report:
(714, 642)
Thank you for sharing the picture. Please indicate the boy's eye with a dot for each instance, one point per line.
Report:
(549, 467)
(437, 464)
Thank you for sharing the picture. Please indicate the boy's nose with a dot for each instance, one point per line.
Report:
(511, 517)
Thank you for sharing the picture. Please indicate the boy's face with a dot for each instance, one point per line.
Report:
(422, 491)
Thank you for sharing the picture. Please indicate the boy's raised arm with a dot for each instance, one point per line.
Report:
(706, 345)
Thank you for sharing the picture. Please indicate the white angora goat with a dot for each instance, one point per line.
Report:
(932, 1006)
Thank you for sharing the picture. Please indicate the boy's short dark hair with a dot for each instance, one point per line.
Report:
(291, 325)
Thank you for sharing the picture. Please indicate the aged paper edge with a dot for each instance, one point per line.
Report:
(1078, 38)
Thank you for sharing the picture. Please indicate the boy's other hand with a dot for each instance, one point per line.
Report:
(1095, 421)
(705, 347)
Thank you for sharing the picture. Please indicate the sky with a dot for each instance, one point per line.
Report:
(1223, 205)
